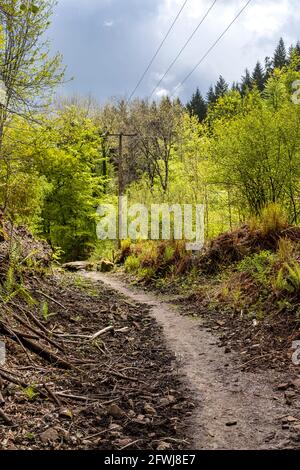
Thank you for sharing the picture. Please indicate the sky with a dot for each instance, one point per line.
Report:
(107, 44)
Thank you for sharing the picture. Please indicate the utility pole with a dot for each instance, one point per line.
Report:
(121, 179)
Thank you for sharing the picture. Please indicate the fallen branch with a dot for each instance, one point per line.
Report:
(75, 397)
(51, 299)
(5, 418)
(101, 332)
(124, 377)
(38, 333)
(90, 337)
(20, 382)
(41, 351)
(52, 395)
(24, 385)
(32, 317)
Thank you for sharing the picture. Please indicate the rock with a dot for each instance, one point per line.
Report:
(140, 418)
(289, 396)
(78, 266)
(164, 402)
(105, 266)
(115, 411)
(124, 442)
(296, 383)
(163, 446)
(291, 419)
(115, 427)
(168, 400)
(51, 435)
(149, 409)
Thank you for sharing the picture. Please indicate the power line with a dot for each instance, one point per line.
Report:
(183, 48)
(212, 47)
(157, 51)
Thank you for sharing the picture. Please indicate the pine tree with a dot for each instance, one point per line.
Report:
(280, 55)
(236, 87)
(221, 87)
(294, 52)
(258, 77)
(211, 97)
(197, 106)
(268, 67)
(246, 83)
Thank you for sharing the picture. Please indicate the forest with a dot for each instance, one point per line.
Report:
(236, 150)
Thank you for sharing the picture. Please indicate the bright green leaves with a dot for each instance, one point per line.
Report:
(32, 8)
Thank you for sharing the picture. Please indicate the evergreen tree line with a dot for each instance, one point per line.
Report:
(198, 105)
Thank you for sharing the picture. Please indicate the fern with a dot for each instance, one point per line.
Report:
(288, 278)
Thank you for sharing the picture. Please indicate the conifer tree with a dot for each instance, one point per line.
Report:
(236, 87)
(280, 55)
(197, 106)
(211, 97)
(246, 83)
(258, 77)
(221, 87)
(268, 67)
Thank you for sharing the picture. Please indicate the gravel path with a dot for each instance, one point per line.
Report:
(236, 410)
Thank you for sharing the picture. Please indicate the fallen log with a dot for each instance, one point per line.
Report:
(41, 351)
(5, 418)
(38, 333)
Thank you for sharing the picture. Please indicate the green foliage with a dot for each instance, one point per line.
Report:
(57, 186)
(273, 219)
(45, 310)
(288, 278)
(257, 149)
(197, 106)
(30, 392)
(286, 249)
(259, 266)
(151, 260)
(132, 264)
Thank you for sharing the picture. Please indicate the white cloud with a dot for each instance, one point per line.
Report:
(161, 92)
(123, 56)
(253, 36)
(109, 23)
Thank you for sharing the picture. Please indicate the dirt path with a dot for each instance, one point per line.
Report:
(236, 410)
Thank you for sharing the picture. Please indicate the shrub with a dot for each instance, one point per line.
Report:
(132, 264)
(273, 219)
(259, 266)
(125, 251)
(285, 249)
(288, 278)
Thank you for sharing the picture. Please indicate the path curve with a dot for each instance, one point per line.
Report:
(224, 394)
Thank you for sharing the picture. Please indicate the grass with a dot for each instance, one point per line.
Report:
(150, 260)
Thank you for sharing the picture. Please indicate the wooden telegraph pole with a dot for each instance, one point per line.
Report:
(121, 179)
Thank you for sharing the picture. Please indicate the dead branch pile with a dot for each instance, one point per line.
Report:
(83, 368)
(233, 246)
